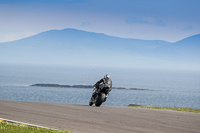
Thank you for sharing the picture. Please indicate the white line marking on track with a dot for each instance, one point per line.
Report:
(12, 121)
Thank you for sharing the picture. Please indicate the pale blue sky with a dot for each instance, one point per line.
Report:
(169, 20)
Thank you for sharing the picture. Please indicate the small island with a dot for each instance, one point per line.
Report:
(139, 89)
(81, 86)
(64, 86)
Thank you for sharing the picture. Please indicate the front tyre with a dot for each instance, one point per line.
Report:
(91, 101)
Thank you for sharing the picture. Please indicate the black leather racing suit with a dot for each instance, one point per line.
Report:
(106, 84)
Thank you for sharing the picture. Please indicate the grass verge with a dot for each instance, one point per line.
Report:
(170, 108)
(7, 127)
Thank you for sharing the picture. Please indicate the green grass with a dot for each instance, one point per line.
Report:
(6, 127)
(170, 108)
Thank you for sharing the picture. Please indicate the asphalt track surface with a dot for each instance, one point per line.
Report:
(104, 119)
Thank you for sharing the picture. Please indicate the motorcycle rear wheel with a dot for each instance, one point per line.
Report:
(100, 99)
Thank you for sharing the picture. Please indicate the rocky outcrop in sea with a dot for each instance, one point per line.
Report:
(81, 86)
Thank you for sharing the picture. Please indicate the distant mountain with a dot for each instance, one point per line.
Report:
(193, 41)
(76, 47)
(189, 49)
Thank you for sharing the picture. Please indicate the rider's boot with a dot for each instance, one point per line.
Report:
(106, 97)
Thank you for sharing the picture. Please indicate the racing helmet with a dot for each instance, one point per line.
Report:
(106, 76)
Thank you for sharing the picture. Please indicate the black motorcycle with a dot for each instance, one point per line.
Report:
(100, 96)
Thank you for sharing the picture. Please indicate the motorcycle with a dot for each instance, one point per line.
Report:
(99, 97)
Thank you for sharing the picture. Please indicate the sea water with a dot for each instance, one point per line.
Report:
(170, 88)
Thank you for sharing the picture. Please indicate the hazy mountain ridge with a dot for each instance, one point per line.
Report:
(195, 39)
(71, 46)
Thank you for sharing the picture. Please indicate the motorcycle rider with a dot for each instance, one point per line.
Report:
(106, 84)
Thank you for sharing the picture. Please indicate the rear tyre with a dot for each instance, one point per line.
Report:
(100, 98)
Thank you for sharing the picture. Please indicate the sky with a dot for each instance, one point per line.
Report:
(168, 20)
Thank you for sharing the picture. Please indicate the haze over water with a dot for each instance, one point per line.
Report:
(166, 88)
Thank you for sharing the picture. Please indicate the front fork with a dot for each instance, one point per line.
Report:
(95, 91)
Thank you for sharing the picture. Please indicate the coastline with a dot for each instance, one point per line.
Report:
(167, 108)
